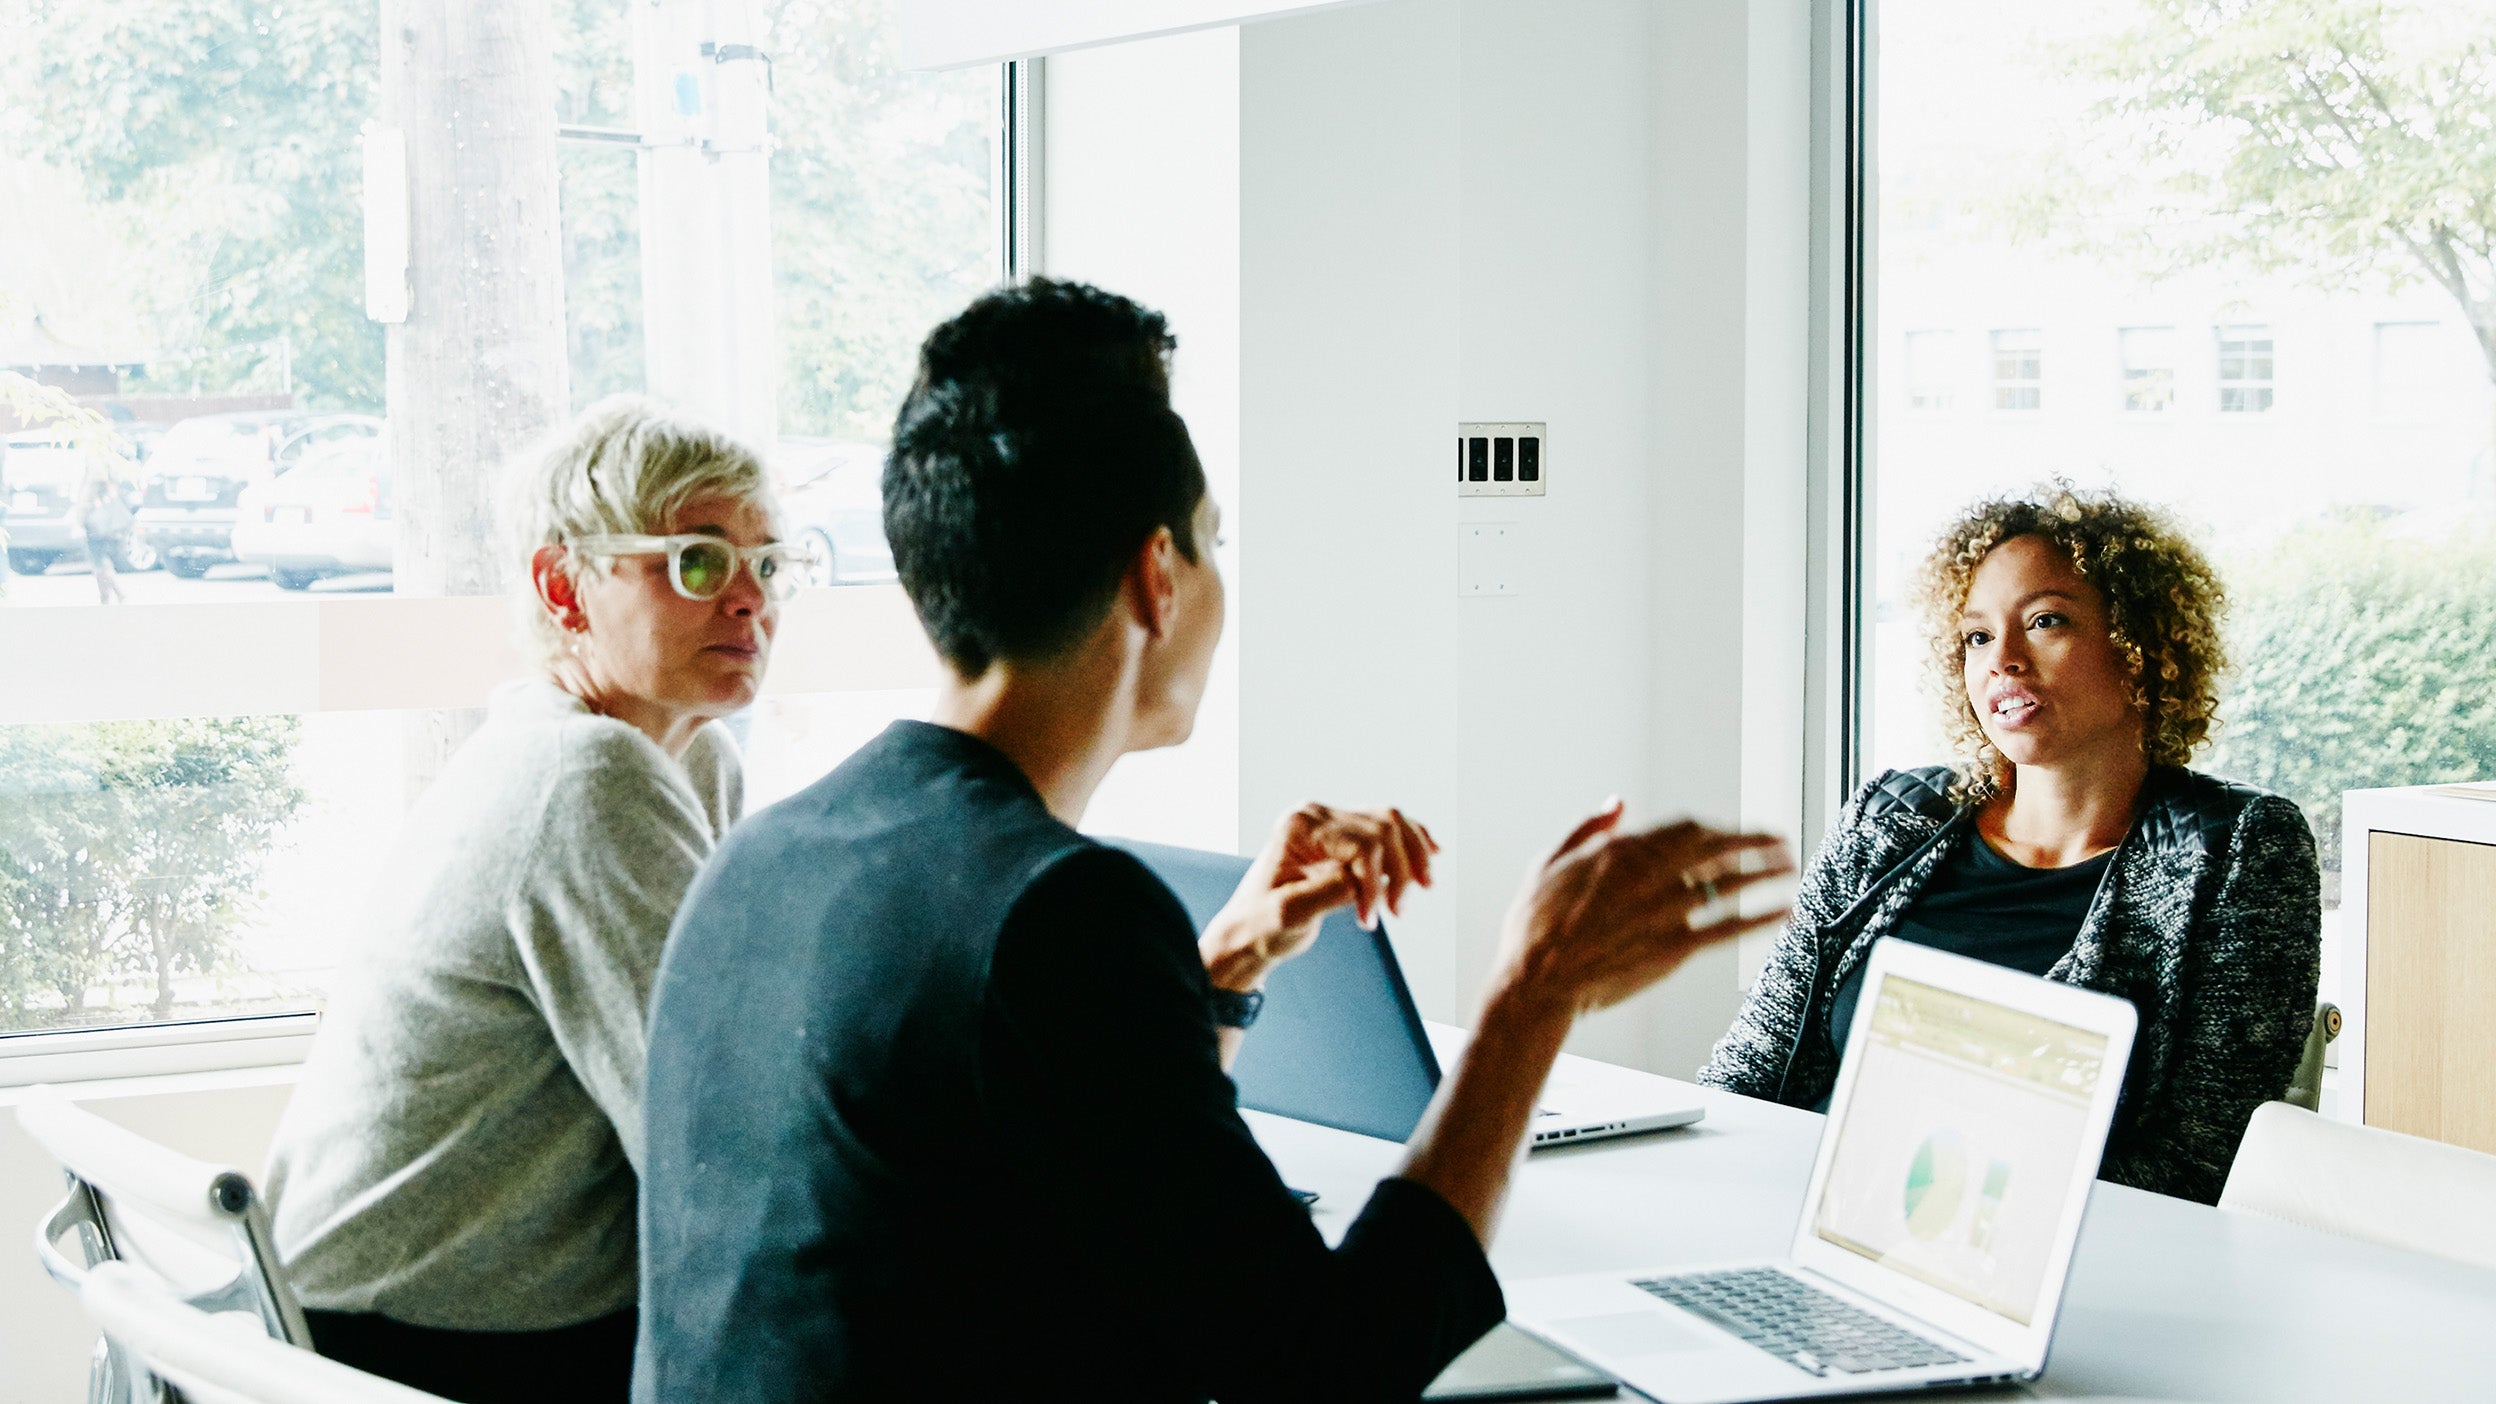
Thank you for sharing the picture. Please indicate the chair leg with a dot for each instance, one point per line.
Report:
(104, 1376)
(113, 1377)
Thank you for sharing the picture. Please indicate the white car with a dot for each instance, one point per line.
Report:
(326, 513)
(202, 465)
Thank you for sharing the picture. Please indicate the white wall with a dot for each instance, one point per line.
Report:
(1560, 258)
(1139, 192)
(1404, 214)
(1590, 214)
(1349, 644)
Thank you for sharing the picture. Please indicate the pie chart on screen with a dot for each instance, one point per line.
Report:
(1936, 1184)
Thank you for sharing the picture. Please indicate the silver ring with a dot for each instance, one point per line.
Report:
(1704, 887)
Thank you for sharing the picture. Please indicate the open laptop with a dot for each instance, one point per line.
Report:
(1970, 1115)
(1341, 1043)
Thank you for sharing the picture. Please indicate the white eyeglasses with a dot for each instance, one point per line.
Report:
(701, 567)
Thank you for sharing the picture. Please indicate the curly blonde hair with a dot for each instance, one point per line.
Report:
(2163, 607)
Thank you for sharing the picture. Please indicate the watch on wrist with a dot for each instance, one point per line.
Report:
(1236, 1009)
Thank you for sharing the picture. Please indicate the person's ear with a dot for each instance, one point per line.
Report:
(557, 591)
(1153, 583)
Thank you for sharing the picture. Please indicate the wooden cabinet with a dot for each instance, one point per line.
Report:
(2418, 905)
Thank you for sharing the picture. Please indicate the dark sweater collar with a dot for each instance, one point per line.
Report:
(954, 749)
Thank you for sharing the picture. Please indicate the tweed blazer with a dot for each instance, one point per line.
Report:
(2209, 920)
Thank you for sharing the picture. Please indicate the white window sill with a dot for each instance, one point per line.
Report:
(164, 1084)
(92, 1058)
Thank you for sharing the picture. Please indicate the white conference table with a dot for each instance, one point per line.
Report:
(2169, 1300)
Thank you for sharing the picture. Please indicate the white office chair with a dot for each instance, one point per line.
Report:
(2365, 1182)
(221, 1359)
(200, 1228)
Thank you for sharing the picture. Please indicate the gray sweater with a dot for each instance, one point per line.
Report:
(463, 1149)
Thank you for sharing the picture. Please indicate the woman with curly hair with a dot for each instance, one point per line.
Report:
(2075, 649)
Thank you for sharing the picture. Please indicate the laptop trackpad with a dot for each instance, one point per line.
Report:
(1625, 1333)
(1668, 1355)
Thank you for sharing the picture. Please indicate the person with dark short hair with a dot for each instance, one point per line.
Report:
(938, 1104)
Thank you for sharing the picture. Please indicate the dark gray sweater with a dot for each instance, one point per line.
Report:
(2209, 921)
(937, 1111)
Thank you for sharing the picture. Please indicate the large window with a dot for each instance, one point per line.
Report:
(2272, 244)
(2245, 364)
(295, 286)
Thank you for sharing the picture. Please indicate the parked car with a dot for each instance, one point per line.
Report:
(834, 497)
(201, 466)
(39, 480)
(326, 513)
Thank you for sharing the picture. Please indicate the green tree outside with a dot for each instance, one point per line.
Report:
(132, 851)
(2345, 144)
(883, 219)
(226, 135)
(2340, 142)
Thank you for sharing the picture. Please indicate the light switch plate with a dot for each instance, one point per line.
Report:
(1510, 459)
(1488, 561)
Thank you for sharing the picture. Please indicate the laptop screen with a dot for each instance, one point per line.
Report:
(1339, 1042)
(1962, 1144)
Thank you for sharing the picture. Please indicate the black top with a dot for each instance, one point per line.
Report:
(936, 1110)
(1983, 905)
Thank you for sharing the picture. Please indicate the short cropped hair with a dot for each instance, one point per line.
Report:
(625, 466)
(1034, 456)
(2164, 604)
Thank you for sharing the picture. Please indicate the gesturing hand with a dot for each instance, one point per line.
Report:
(1316, 860)
(1610, 913)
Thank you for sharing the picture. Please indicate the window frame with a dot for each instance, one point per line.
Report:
(402, 653)
(2125, 370)
(2266, 386)
(1839, 471)
(2032, 386)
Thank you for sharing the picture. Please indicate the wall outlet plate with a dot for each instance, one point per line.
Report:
(1511, 459)
(1489, 560)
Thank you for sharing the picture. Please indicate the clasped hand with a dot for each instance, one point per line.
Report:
(1316, 860)
(1608, 913)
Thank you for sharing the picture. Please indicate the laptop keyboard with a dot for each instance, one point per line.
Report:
(1798, 1323)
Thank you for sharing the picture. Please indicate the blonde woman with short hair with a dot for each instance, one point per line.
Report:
(2075, 654)
(455, 1179)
